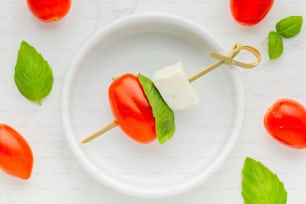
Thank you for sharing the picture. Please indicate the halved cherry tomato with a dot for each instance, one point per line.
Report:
(131, 108)
(285, 120)
(250, 12)
(49, 10)
(16, 157)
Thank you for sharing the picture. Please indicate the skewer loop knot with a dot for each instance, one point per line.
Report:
(229, 58)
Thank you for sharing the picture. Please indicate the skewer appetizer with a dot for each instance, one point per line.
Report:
(144, 108)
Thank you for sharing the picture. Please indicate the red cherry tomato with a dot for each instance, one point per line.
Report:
(250, 12)
(285, 120)
(131, 108)
(49, 10)
(16, 157)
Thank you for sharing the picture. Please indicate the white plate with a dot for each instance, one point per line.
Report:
(206, 133)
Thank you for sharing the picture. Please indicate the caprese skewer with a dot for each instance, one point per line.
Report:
(144, 108)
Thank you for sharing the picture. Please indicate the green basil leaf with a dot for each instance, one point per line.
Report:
(33, 75)
(290, 26)
(275, 45)
(164, 116)
(260, 185)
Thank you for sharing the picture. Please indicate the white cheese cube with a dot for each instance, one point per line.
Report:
(173, 85)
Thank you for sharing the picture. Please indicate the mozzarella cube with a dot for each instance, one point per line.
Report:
(173, 85)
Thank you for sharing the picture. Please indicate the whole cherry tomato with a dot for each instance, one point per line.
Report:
(16, 157)
(49, 10)
(250, 12)
(285, 120)
(131, 108)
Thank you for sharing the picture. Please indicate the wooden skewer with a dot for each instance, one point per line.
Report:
(228, 59)
(100, 132)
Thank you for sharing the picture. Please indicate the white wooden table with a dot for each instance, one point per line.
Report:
(58, 178)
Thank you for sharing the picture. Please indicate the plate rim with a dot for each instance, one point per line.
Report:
(86, 47)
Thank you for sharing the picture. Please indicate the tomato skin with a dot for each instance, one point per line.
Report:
(250, 12)
(131, 108)
(285, 121)
(49, 10)
(16, 156)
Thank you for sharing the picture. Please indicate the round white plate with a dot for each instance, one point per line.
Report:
(206, 133)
